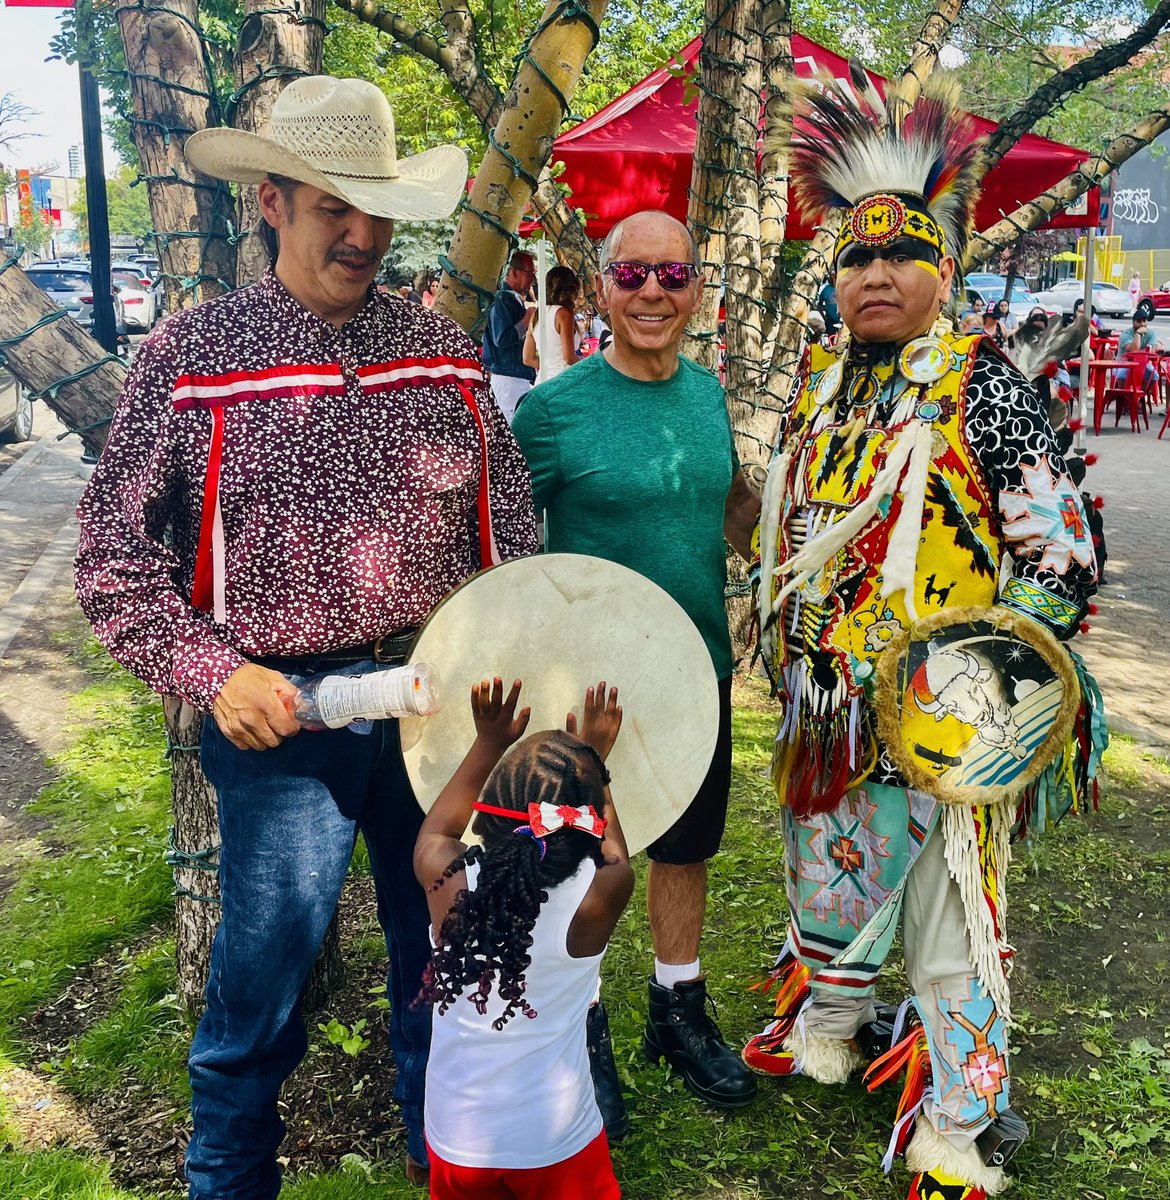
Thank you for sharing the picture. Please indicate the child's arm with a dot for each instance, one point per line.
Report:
(602, 906)
(440, 839)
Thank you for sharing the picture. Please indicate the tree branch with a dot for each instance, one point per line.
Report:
(1064, 83)
(459, 63)
(1058, 197)
(520, 143)
(925, 52)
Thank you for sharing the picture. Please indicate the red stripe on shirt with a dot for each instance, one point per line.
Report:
(274, 383)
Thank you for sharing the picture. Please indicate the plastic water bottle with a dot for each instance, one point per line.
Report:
(331, 701)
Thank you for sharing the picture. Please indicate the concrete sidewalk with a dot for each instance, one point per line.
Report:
(1128, 645)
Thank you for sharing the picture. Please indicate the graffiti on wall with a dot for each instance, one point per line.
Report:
(1136, 205)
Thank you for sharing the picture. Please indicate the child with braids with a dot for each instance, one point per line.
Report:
(520, 926)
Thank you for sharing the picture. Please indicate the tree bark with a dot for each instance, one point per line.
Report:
(1078, 75)
(58, 349)
(779, 69)
(173, 97)
(194, 853)
(924, 54)
(723, 57)
(521, 143)
(743, 276)
(277, 43)
(1058, 197)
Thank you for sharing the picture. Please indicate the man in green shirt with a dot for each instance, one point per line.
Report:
(632, 460)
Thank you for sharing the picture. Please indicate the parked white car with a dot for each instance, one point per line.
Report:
(990, 289)
(1108, 300)
(136, 290)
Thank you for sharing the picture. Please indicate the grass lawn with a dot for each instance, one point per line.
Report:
(1091, 1069)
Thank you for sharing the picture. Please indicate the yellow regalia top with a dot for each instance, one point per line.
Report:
(881, 516)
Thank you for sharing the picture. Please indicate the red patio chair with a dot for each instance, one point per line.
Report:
(1133, 394)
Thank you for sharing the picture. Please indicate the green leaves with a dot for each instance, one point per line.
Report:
(350, 1040)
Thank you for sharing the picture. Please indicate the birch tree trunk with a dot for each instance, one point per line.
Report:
(172, 96)
(521, 143)
(776, 38)
(1060, 195)
(194, 854)
(276, 44)
(457, 59)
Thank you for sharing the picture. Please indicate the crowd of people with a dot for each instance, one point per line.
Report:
(300, 471)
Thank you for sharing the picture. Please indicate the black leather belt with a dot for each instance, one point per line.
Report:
(390, 648)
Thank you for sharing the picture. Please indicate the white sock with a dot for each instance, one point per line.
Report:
(668, 974)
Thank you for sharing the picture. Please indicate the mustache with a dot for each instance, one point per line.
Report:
(354, 258)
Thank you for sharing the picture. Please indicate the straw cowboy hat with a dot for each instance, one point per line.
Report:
(338, 135)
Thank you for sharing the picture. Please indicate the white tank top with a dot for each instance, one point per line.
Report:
(521, 1096)
(554, 361)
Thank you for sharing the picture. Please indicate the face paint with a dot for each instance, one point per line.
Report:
(899, 255)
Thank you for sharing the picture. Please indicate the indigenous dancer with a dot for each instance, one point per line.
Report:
(916, 471)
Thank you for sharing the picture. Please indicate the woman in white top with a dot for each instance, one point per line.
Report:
(522, 925)
(561, 288)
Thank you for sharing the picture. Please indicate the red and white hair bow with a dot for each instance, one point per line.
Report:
(544, 819)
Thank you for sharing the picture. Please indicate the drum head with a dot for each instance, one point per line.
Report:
(973, 703)
(560, 622)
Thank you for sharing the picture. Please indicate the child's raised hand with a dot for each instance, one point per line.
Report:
(600, 721)
(496, 720)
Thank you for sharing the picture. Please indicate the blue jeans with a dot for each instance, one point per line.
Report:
(288, 820)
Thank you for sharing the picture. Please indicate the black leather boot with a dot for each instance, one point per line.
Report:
(680, 1030)
(606, 1087)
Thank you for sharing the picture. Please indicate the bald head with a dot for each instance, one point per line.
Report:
(635, 229)
(646, 318)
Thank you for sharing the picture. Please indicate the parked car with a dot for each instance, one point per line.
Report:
(991, 288)
(69, 286)
(136, 290)
(151, 269)
(1108, 300)
(16, 412)
(1159, 298)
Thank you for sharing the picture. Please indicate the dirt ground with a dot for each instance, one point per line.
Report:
(337, 1105)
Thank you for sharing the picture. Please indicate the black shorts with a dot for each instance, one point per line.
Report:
(696, 835)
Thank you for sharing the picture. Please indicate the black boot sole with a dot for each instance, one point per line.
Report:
(655, 1053)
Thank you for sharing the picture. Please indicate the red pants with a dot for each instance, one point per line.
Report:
(588, 1175)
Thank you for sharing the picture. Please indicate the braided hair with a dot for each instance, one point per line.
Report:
(487, 933)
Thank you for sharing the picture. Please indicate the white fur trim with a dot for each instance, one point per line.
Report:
(930, 1151)
(827, 1060)
(957, 827)
(770, 504)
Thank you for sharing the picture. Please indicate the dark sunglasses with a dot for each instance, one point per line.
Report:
(671, 276)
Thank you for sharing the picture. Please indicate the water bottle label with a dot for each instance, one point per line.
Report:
(402, 692)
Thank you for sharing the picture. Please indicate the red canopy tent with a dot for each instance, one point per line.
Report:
(636, 152)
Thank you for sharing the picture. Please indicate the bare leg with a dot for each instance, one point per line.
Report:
(676, 902)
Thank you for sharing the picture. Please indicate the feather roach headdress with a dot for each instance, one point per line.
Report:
(899, 173)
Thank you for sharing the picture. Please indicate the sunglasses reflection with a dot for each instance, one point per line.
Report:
(671, 276)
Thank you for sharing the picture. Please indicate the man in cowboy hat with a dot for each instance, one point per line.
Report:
(292, 481)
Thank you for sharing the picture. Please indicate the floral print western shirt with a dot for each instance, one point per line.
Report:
(276, 485)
